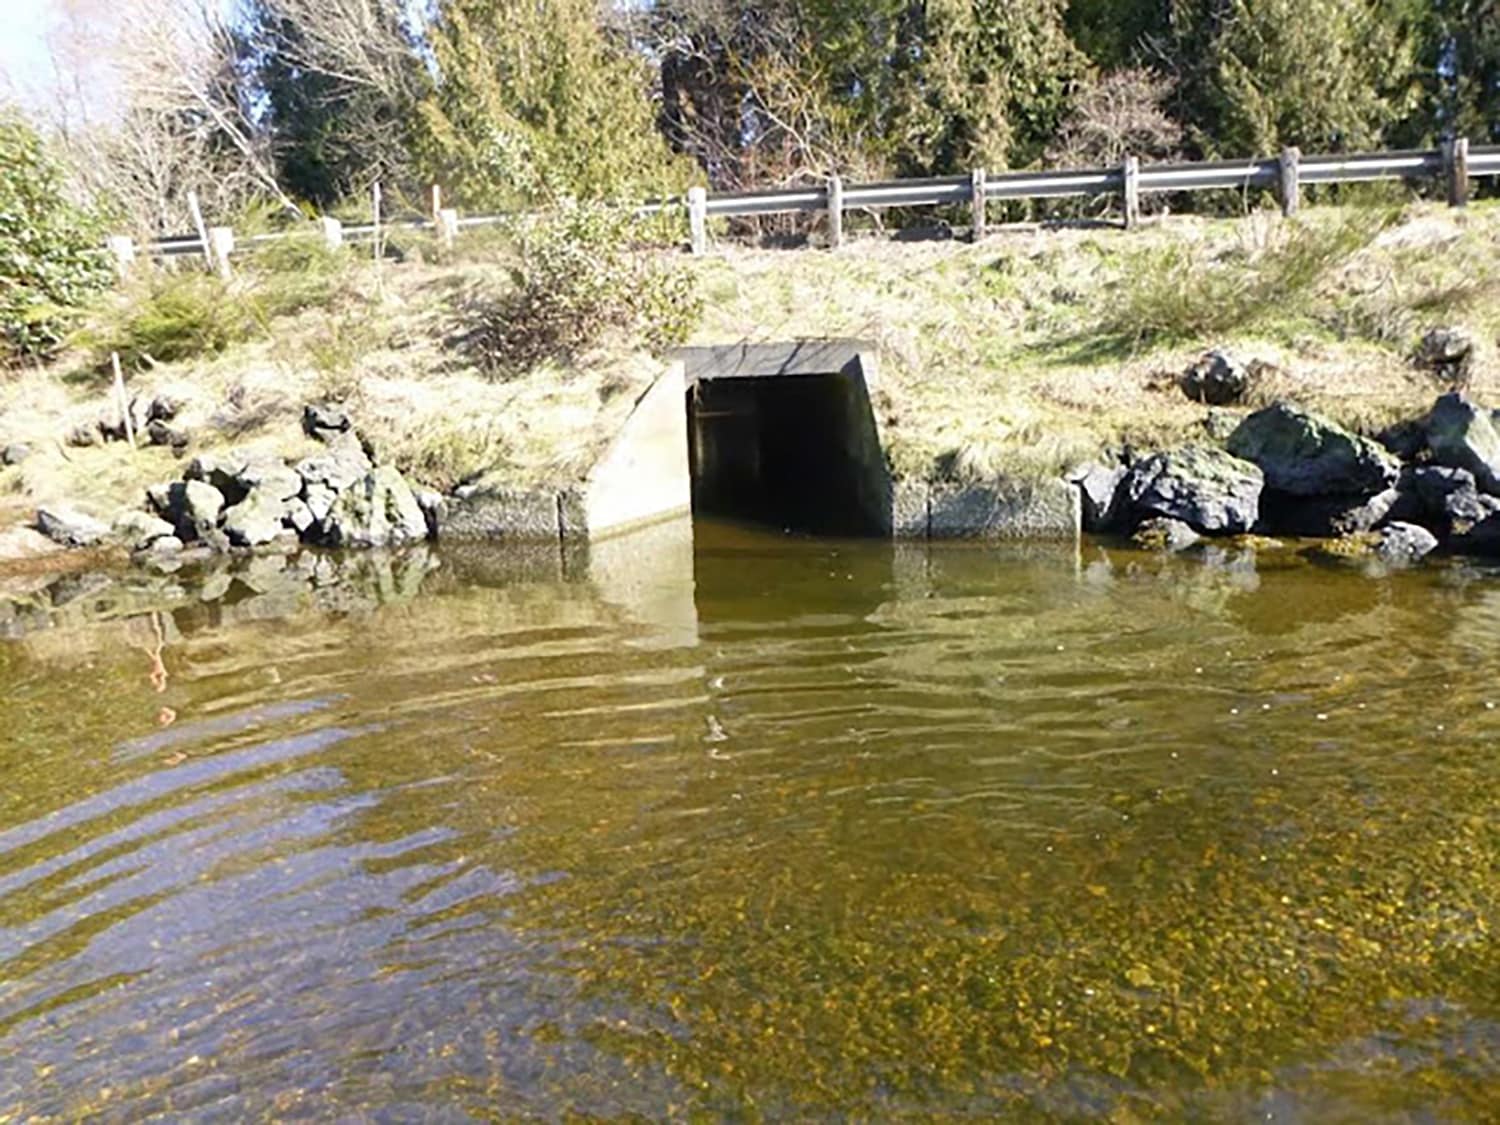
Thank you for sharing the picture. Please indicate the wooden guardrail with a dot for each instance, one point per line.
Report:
(1455, 165)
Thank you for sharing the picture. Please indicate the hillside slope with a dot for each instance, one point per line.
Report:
(1021, 355)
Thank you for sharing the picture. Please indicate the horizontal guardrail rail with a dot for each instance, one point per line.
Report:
(1455, 165)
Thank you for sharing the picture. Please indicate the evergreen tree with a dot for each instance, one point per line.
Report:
(534, 101)
(1255, 75)
(990, 83)
(1464, 53)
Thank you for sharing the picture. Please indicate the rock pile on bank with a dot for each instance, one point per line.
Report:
(1283, 470)
(337, 498)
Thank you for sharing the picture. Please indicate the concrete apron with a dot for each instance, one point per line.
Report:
(646, 474)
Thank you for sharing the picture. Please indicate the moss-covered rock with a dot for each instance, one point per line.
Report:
(1304, 455)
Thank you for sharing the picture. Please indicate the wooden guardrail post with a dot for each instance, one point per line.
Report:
(835, 210)
(1456, 170)
(197, 213)
(977, 202)
(1131, 177)
(1289, 184)
(698, 219)
(221, 243)
(447, 226)
(333, 232)
(122, 248)
(375, 219)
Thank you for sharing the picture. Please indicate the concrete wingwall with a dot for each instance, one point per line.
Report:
(643, 476)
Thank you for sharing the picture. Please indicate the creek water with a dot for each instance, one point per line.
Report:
(752, 827)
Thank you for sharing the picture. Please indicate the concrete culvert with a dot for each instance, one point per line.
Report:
(784, 435)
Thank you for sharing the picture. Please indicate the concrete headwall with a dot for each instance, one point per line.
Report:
(645, 475)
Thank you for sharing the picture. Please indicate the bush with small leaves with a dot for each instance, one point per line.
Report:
(578, 283)
(51, 254)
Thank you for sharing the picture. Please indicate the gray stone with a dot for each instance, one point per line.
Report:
(69, 526)
(140, 530)
(236, 475)
(1406, 439)
(255, 520)
(1401, 543)
(1448, 495)
(378, 511)
(140, 412)
(111, 423)
(15, 453)
(1304, 455)
(272, 476)
(83, 436)
(1203, 487)
(299, 517)
(25, 543)
(343, 464)
(167, 545)
(1158, 534)
(1481, 537)
(1448, 352)
(220, 471)
(1219, 424)
(159, 498)
(159, 433)
(1216, 378)
(502, 513)
(193, 507)
(1461, 435)
(1099, 493)
(163, 408)
(214, 539)
(323, 420)
(433, 507)
(319, 499)
(1456, 510)
(201, 503)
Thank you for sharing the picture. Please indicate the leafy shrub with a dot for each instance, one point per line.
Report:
(167, 317)
(170, 316)
(577, 282)
(51, 260)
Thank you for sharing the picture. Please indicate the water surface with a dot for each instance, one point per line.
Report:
(769, 828)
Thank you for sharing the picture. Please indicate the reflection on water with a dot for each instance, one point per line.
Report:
(771, 827)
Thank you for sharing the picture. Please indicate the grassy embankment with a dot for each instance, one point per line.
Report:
(1020, 355)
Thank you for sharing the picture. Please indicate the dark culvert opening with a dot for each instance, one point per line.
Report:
(797, 452)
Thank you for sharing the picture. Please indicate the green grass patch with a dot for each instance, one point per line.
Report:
(1171, 292)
